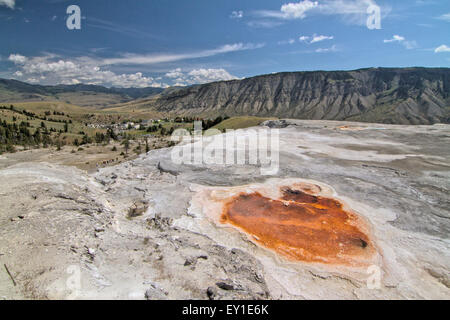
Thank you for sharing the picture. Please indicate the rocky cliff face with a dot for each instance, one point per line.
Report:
(402, 96)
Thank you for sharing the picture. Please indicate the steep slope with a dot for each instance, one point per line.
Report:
(402, 96)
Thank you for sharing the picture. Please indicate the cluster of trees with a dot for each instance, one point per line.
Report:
(167, 132)
(99, 138)
(20, 134)
(186, 119)
(207, 124)
(55, 113)
(56, 120)
(44, 127)
(126, 145)
(154, 128)
(33, 115)
(13, 134)
(162, 130)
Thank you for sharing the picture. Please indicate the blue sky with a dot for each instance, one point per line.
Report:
(162, 43)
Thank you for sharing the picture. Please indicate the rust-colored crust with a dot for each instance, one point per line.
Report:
(301, 226)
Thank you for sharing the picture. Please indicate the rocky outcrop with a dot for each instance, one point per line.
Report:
(400, 96)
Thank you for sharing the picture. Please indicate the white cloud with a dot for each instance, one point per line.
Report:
(161, 58)
(8, 3)
(209, 75)
(290, 10)
(345, 6)
(442, 48)
(297, 10)
(198, 76)
(32, 80)
(395, 38)
(52, 70)
(314, 38)
(303, 38)
(318, 38)
(17, 58)
(237, 14)
(353, 11)
(445, 17)
(176, 73)
(402, 40)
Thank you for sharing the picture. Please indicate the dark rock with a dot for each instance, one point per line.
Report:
(228, 285)
(211, 292)
(189, 261)
(275, 123)
(259, 278)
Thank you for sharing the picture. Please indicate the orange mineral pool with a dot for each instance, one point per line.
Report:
(300, 226)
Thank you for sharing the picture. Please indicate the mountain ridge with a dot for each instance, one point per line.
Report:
(413, 95)
(388, 95)
(82, 94)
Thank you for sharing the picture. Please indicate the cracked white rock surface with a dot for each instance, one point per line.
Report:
(51, 216)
